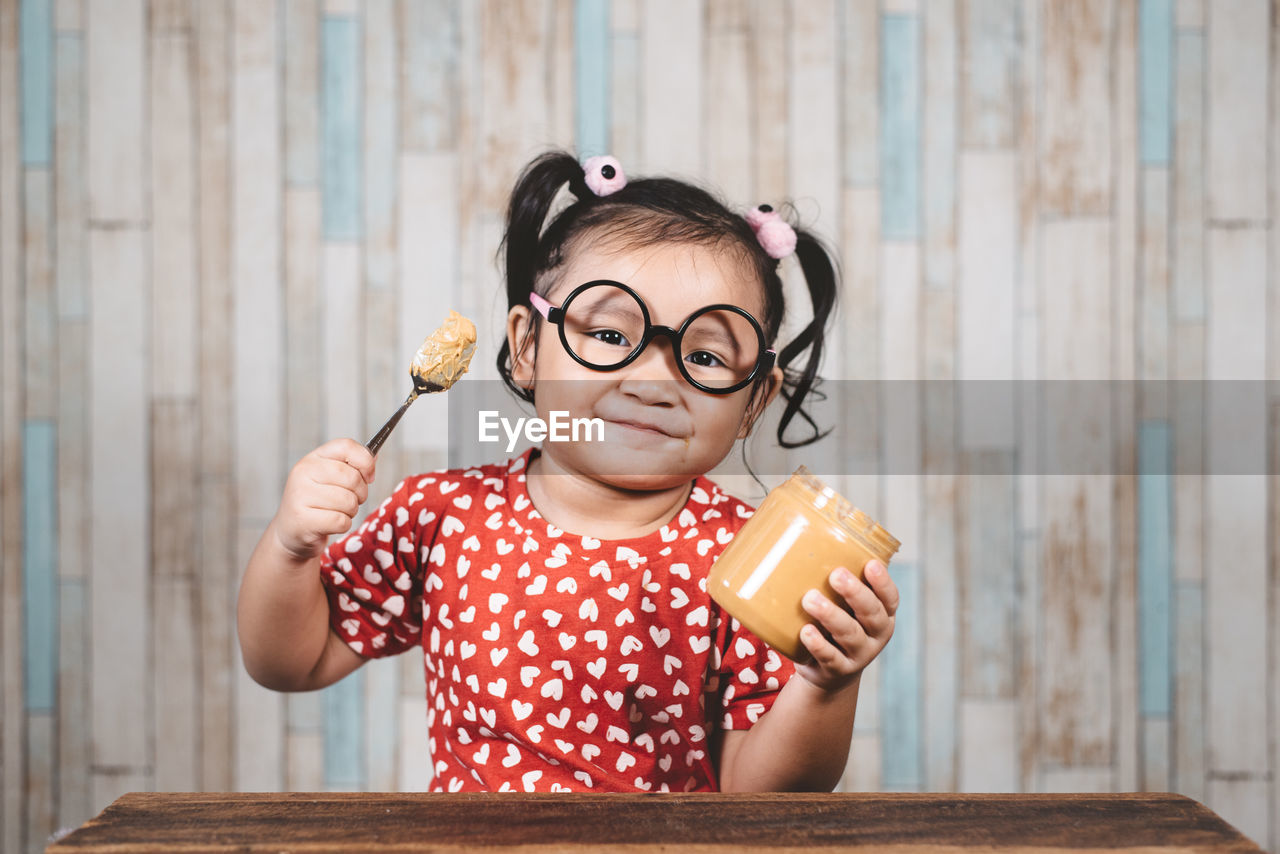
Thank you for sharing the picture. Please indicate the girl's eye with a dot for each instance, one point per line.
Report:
(703, 359)
(611, 336)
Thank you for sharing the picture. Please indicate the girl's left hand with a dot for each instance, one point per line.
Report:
(857, 638)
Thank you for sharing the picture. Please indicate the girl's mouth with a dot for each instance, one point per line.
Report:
(644, 427)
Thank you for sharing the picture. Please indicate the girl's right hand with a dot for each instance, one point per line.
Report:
(322, 496)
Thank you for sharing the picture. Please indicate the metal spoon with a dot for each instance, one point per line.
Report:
(444, 356)
(420, 386)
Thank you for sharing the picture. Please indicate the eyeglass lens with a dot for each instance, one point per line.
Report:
(604, 324)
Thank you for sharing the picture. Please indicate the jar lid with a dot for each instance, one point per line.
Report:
(838, 509)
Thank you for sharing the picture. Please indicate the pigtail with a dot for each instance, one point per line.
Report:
(820, 277)
(531, 201)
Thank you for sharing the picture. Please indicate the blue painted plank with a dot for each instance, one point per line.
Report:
(591, 64)
(340, 124)
(901, 690)
(1155, 75)
(429, 39)
(1155, 568)
(344, 768)
(40, 563)
(36, 70)
(900, 127)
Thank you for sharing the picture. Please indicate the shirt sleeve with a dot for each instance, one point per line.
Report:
(751, 674)
(373, 579)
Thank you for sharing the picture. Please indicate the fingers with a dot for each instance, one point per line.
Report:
(877, 576)
(849, 632)
(352, 453)
(849, 638)
(338, 499)
(827, 655)
(331, 472)
(868, 608)
(323, 495)
(839, 623)
(325, 523)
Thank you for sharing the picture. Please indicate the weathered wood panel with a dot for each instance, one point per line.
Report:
(413, 774)
(72, 803)
(74, 746)
(768, 44)
(671, 63)
(1155, 348)
(1242, 803)
(120, 697)
(940, 139)
(40, 299)
(341, 325)
(989, 80)
(860, 98)
(815, 118)
(428, 267)
(1189, 768)
(729, 110)
(986, 293)
(176, 658)
(1076, 691)
(901, 695)
(986, 727)
(903, 436)
(257, 357)
(218, 573)
(257, 292)
(70, 195)
(380, 122)
(1236, 51)
(300, 101)
(1025, 192)
(174, 298)
(303, 299)
(1235, 502)
(988, 556)
(1125, 334)
(1075, 144)
(900, 93)
(116, 50)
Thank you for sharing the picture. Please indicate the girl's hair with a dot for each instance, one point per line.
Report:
(654, 210)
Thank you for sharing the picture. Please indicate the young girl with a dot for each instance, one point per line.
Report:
(560, 598)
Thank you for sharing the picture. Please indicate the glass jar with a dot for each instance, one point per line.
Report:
(801, 532)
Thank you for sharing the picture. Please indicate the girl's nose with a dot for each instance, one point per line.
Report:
(654, 375)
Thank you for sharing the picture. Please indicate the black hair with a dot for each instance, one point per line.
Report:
(656, 210)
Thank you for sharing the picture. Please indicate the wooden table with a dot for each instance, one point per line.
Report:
(776, 823)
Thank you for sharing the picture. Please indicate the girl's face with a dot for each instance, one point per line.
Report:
(659, 430)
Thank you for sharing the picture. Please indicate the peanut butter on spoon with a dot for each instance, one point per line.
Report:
(441, 360)
(446, 354)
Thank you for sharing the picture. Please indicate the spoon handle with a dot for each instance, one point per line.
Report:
(375, 444)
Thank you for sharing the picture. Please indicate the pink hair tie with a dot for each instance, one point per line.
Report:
(776, 236)
(604, 175)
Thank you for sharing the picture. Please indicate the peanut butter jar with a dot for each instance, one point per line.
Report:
(801, 532)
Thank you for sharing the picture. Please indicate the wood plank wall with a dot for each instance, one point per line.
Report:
(225, 225)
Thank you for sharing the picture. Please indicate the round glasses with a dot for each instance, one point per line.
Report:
(605, 326)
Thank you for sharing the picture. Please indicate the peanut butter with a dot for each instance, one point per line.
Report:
(801, 532)
(447, 352)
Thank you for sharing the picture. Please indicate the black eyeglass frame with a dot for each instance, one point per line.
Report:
(556, 315)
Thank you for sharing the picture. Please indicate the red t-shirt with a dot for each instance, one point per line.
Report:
(554, 662)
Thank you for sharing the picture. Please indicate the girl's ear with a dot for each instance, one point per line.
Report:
(760, 401)
(523, 345)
